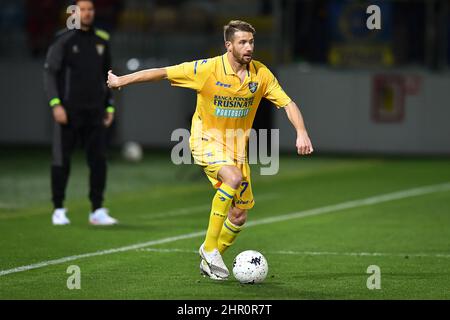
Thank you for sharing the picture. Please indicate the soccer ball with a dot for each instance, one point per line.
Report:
(132, 151)
(250, 267)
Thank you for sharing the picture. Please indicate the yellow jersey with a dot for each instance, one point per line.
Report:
(225, 105)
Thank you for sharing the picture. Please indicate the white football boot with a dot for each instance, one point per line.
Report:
(100, 217)
(59, 217)
(213, 264)
(206, 271)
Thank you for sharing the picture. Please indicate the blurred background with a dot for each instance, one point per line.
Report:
(361, 91)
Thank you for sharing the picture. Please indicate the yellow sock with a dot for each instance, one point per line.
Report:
(220, 205)
(227, 235)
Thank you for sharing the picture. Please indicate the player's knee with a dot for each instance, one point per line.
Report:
(238, 216)
(231, 175)
(235, 179)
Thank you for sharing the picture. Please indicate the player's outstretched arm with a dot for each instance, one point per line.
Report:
(303, 143)
(148, 75)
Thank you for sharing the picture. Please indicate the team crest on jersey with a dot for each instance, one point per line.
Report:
(253, 86)
(75, 49)
(100, 49)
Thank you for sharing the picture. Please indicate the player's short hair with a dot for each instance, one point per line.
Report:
(234, 26)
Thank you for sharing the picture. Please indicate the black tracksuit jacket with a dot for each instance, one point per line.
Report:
(75, 74)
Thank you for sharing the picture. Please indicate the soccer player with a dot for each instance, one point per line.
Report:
(82, 105)
(229, 89)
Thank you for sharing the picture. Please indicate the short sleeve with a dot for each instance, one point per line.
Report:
(273, 91)
(192, 75)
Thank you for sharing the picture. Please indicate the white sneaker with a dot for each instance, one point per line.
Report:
(100, 217)
(205, 271)
(215, 262)
(59, 217)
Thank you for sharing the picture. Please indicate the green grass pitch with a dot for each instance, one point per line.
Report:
(316, 254)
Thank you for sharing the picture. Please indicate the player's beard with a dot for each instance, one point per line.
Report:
(241, 58)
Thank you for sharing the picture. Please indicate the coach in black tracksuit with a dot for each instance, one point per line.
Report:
(75, 80)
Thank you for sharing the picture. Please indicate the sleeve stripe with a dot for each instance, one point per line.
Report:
(195, 67)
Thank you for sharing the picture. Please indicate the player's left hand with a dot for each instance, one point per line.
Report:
(303, 144)
(109, 118)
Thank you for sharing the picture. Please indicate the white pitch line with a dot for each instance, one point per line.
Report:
(177, 212)
(197, 209)
(355, 203)
(319, 253)
(102, 252)
(296, 215)
(171, 250)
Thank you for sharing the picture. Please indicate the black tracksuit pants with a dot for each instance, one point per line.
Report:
(91, 133)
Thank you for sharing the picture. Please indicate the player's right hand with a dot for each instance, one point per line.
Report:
(113, 80)
(303, 144)
(59, 114)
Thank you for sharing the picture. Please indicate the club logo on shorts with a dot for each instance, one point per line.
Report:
(253, 86)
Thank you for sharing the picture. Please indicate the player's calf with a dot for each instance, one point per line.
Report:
(231, 228)
(220, 205)
(237, 216)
